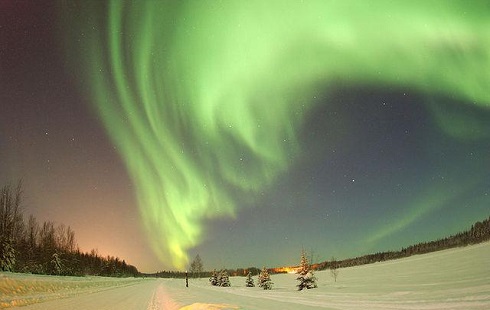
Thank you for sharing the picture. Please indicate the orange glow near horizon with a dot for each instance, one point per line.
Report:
(285, 269)
(292, 269)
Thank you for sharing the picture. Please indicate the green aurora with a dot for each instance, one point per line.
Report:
(204, 99)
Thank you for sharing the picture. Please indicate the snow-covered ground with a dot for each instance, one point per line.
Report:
(452, 279)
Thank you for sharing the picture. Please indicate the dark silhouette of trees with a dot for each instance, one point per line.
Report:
(479, 232)
(10, 225)
(47, 248)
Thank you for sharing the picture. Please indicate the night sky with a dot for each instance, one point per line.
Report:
(247, 130)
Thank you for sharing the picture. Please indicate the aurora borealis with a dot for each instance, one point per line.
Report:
(345, 127)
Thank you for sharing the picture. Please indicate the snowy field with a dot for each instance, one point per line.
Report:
(452, 279)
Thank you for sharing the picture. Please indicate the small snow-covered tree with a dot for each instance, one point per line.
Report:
(7, 254)
(224, 279)
(249, 281)
(305, 274)
(214, 278)
(57, 266)
(265, 280)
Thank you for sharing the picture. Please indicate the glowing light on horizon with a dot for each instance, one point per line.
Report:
(204, 99)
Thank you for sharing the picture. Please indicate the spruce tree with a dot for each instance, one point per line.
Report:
(265, 280)
(249, 281)
(305, 274)
(224, 279)
(7, 254)
(57, 267)
(214, 278)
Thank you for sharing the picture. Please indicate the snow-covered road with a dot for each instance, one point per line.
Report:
(158, 294)
(137, 296)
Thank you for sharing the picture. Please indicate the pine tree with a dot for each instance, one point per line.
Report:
(214, 278)
(7, 254)
(265, 280)
(305, 274)
(57, 266)
(224, 279)
(249, 281)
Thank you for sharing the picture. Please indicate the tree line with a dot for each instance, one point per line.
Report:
(29, 246)
(479, 232)
(206, 274)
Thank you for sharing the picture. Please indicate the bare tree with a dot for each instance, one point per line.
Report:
(32, 239)
(70, 240)
(11, 225)
(47, 240)
(10, 213)
(311, 256)
(65, 238)
(196, 266)
(334, 271)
